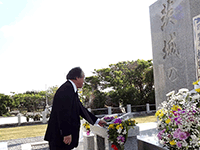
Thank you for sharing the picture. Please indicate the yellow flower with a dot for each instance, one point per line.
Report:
(115, 117)
(168, 121)
(176, 107)
(195, 83)
(172, 142)
(159, 113)
(121, 126)
(197, 90)
(117, 127)
(111, 126)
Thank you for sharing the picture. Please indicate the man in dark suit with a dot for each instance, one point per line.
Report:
(64, 123)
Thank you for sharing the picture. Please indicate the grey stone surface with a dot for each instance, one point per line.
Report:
(102, 143)
(133, 131)
(146, 145)
(88, 141)
(147, 140)
(15, 144)
(100, 138)
(131, 143)
(174, 55)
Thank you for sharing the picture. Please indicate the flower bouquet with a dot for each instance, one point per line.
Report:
(109, 119)
(179, 120)
(118, 132)
(86, 125)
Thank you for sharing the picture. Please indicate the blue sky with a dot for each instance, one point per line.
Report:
(41, 40)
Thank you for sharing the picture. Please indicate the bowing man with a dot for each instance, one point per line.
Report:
(64, 124)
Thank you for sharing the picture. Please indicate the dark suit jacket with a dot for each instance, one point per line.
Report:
(65, 117)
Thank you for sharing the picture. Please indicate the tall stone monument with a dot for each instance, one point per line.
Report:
(176, 45)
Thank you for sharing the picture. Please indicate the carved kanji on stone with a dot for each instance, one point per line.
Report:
(170, 46)
(167, 13)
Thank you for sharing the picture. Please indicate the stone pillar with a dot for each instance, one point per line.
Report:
(131, 142)
(102, 143)
(44, 117)
(88, 141)
(109, 111)
(175, 61)
(147, 108)
(100, 138)
(129, 108)
(19, 118)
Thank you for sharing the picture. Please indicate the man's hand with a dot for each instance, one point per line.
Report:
(67, 139)
(102, 123)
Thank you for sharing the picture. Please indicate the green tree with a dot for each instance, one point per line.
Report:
(18, 100)
(5, 102)
(88, 91)
(127, 82)
(50, 94)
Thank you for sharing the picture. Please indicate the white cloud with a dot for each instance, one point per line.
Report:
(1, 2)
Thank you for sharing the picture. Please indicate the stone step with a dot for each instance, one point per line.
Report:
(3, 146)
(28, 146)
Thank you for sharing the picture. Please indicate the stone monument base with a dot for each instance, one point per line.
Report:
(149, 143)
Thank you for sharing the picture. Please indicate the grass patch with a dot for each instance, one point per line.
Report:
(39, 130)
(146, 119)
(22, 132)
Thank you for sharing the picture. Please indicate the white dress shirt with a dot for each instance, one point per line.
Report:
(75, 90)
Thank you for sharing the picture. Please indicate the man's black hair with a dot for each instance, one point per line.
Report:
(75, 73)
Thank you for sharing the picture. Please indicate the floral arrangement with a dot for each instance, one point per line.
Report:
(179, 119)
(86, 125)
(108, 119)
(118, 132)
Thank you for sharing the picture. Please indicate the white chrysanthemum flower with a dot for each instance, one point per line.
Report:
(184, 144)
(162, 142)
(196, 97)
(183, 90)
(119, 130)
(170, 93)
(196, 86)
(182, 109)
(124, 132)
